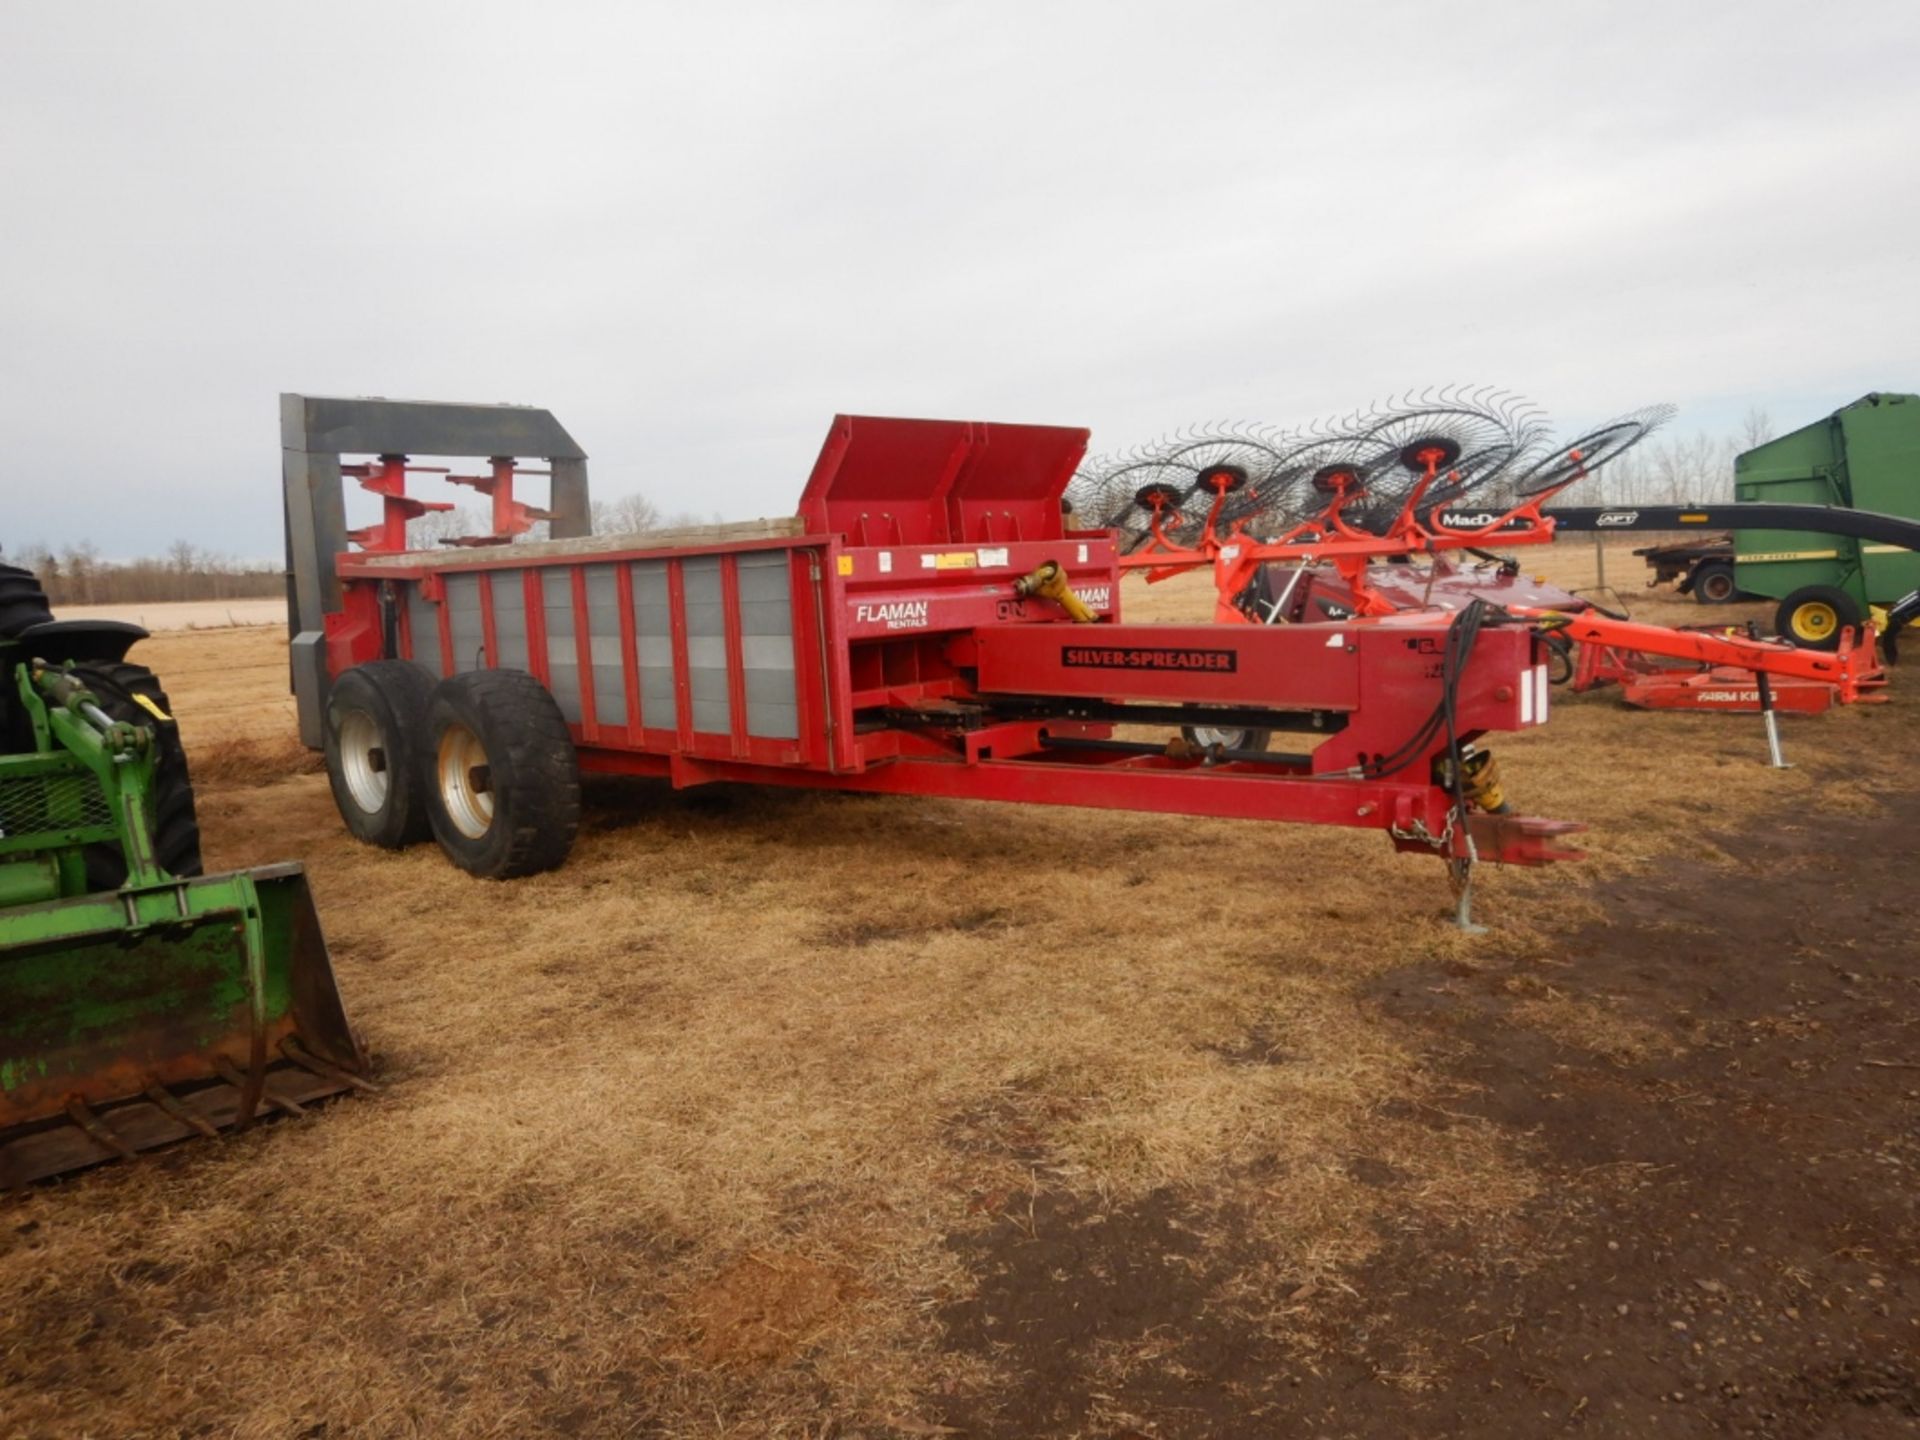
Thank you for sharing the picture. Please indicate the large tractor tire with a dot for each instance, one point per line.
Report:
(504, 791)
(121, 689)
(376, 733)
(1814, 616)
(1713, 582)
(22, 602)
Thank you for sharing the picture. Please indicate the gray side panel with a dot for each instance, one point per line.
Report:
(603, 631)
(706, 645)
(563, 659)
(766, 644)
(315, 511)
(653, 644)
(567, 499)
(510, 619)
(345, 425)
(423, 620)
(463, 615)
(309, 658)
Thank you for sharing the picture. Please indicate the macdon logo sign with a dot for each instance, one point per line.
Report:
(1096, 657)
(894, 614)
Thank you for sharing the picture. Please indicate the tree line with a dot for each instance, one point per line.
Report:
(77, 575)
(1672, 469)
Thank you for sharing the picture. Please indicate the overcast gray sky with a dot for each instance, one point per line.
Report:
(697, 231)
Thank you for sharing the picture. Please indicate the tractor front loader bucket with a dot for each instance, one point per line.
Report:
(133, 1018)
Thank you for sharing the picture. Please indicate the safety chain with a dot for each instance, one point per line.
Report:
(1418, 831)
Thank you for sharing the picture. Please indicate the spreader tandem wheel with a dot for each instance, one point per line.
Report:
(504, 792)
(375, 724)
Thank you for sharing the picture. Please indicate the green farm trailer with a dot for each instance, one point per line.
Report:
(1864, 456)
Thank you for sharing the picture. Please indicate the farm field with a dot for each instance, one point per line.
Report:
(186, 614)
(817, 1115)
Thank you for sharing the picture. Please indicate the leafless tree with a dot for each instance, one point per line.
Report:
(625, 515)
(427, 532)
(79, 561)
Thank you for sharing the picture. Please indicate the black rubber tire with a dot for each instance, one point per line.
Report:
(394, 696)
(1837, 610)
(22, 602)
(1713, 582)
(1249, 739)
(171, 819)
(533, 774)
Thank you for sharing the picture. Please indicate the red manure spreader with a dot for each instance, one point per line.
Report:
(929, 622)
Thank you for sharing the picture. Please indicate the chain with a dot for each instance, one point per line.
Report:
(1418, 831)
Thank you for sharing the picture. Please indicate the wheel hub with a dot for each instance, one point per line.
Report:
(465, 780)
(363, 761)
(1815, 621)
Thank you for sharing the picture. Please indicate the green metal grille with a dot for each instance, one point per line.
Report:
(37, 804)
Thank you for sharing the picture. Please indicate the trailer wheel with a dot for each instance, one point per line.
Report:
(376, 725)
(1814, 616)
(1713, 582)
(126, 692)
(504, 785)
(1207, 736)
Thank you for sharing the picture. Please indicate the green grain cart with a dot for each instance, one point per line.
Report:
(141, 1001)
(1865, 456)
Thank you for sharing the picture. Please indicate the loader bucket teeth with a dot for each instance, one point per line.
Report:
(132, 1019)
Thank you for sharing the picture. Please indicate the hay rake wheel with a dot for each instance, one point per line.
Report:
(1586, 453)
(1438, 443)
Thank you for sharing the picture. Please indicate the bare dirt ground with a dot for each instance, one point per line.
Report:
(812, 1115)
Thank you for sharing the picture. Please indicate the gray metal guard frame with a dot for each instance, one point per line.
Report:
(316, 430)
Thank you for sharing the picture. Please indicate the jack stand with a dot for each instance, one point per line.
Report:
(1772, 722)
(1774, 757)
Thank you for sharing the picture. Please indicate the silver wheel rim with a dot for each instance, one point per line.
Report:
(469, 807)
(1209, 736)
(367, 783)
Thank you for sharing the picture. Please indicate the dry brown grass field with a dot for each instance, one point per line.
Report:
(810, 1115)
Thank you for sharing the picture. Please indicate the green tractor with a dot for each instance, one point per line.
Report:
(141, 1001)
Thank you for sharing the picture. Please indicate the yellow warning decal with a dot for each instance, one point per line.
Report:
(152, 709)
(846, 564)
(955, 560)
